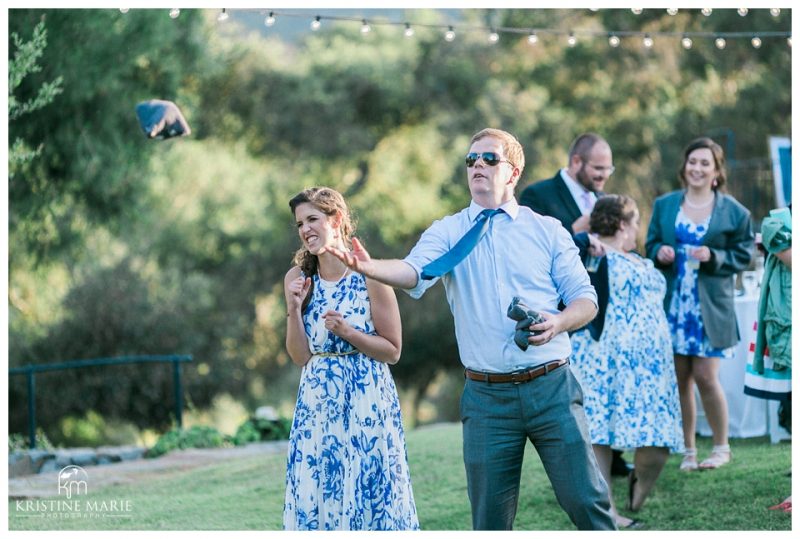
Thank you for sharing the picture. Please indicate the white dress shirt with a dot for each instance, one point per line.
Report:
(522, 254)
(584, 198)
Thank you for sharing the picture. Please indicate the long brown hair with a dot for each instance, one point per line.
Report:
(330, 202)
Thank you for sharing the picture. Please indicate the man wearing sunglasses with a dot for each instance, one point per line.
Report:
(486, 255)
(569, 196)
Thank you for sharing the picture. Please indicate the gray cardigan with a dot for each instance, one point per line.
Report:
(731, 241)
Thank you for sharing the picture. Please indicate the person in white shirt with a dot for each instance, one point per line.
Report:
(510, 395)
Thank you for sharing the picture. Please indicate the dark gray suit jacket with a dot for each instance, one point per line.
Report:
(552, 197)
(731, 241)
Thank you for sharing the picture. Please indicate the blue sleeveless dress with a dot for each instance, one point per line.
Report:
(347, 466)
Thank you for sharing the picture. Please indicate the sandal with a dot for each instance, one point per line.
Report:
(689, 463)
(720, 456)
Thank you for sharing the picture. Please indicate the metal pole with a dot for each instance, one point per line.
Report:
(176, 377)
(32, 409)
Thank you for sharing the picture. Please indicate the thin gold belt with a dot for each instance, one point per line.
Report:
(335, 354)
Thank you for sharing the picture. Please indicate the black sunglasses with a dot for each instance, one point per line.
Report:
(490, 158)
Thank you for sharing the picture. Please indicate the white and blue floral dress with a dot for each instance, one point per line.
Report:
(628, 376)
(684, 316)
(347, 466)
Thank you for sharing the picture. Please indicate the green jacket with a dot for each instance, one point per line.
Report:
(775, 303)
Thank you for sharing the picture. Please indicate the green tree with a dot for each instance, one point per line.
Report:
(20, 66)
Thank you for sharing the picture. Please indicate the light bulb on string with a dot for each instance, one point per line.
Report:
(706, 11)
(756, 42)
(124, 9)
(365, 27)
(613, 41)
(637, 10)
(720, 43)
(494, 37)
(572, 40)
(408, 32)
(174, 13)
(742, 11)
(270, 20)
(686, 42)
(672, 11)
(315, 24)
(223, 16)
(647, 41)
(789, 41)
(775, 11)
(450, 35)
(533, 38)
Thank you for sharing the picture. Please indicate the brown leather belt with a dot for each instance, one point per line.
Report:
(517, 377)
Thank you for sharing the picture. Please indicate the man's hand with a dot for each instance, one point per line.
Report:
(596, 247)
(357, 260)
(581, 224)
(551, 327)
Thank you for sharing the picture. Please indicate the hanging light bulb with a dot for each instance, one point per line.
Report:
(706, 11)
(365, 28)
(775, 11)
(315, 24)
(637, 10)
(742, 11)
(647, 41)
(720, 43)
(613, 41)
(223, 16)
(572, 40)
(533, 38)
(686, 42)
(409, 32)
(494, 37)
(270, 20)
(789, 41)
(672, 11)
(174, 13)
(450, 35)
(124, 9)
(756, 42)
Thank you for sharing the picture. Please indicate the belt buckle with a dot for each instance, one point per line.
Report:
(517, 377)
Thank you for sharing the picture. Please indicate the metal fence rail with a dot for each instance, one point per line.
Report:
(31, 370)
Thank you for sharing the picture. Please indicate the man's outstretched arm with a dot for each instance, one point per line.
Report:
(396, 273)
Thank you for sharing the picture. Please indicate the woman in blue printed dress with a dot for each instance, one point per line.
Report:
(700, 238)
(347, 467)
(624, 358)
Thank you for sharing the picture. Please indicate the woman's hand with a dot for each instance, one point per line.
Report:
(666, 254)
(703, 254)
(297, 292)
(336, 324)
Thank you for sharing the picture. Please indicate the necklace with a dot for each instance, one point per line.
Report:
(697, 206)
(325, 282)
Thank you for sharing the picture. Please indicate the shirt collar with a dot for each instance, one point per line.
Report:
(511, 208)
(576, 189)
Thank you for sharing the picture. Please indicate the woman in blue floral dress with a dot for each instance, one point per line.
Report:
(347, 466)
(700, 238)
(624, 358)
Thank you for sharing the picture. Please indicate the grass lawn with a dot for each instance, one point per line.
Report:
(247, 493)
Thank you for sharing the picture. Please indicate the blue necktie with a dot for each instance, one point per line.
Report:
(461, 249)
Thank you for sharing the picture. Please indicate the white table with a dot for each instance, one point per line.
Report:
(748, 416)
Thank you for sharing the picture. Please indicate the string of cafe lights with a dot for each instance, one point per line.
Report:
(687, 39)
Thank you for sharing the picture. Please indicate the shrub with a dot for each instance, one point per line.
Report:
(19, 442)
(259, 430)
(196, 436)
